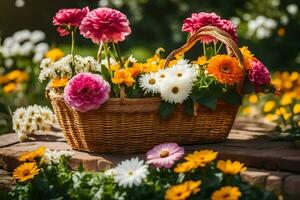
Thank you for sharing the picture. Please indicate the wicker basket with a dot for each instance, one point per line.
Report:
(123, 126)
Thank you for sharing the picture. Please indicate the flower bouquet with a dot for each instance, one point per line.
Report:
(115, 104)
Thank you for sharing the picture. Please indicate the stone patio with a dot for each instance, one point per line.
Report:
(274, 165)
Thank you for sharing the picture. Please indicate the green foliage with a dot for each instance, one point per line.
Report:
(166, 109)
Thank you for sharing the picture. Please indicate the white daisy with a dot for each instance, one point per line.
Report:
(46, 63)
(132, 59)
(22, 136)
(175, 90)
(183, 70)
(149, 83)
(91, 65)
(19, 114)
(53, 156)
(130, 172)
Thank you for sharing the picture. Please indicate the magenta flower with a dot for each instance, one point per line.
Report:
(66, 19)
(164, 155)
(198, 20)
(86, 91)
(259, 75)
(105, 25)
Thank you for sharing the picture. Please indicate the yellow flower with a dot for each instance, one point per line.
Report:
(26, 171)
(55, 54)
(201, 158)
(271, 117)
(246, 110)
(287, 116)
(9, 88)
(253, 99)
(280, 111)
(286, 99)
(296, 108)
(3, 79)
(287, 85)
(248, 57)
(115, 67)
(123, 76)
(22, 77)
(13, 75)
(277, 82)
(154, 59)
(60, 82)
(294, 76)
(185, 167)
(298, 123)
(269, 106)
(183, 191)
(285, 75)
(229, 167)
(32, 155)
(202, 60)
(227, 193)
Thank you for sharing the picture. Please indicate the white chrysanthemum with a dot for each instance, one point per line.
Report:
(63, 66)
(53, 156)
(27, 126)
(183, 70)
(19, 114)
(46, 63)
(175, 90)
(47, 73)
(149, 83)
(91, 65)
(132, 59)
(130, 172)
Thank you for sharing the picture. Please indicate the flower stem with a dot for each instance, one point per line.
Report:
(204, 49)
(219, 48)
(99, 56)
(73, 34)
(106, 48)
(117, 50)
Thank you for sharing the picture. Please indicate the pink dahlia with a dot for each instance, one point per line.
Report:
(199, 20)
(86, 91)
(164, 155)
(65, 19)
(105, 25)
(259, 75)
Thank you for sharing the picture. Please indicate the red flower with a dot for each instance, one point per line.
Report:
(66, 19)
(105, 25)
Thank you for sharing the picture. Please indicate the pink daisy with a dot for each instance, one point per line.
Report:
(164, 155)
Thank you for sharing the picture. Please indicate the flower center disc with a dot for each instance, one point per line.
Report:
(175, 90)
(179, 74)
(164, 154)
(26, 172)
(152, 81)
(225, 69)
(162, 76)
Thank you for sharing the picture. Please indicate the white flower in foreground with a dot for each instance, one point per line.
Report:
(183, 70)
(175, 90)
(130, 172)
(149, 83)
(110, 172)
(22, 136)
(53, 156)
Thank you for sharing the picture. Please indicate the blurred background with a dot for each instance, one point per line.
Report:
(271, 29)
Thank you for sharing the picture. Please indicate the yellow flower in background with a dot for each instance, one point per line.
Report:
(183, 191)
(280, 111)
(26, 171)
(32, 155)
(287, 85)
(123, 76)
(227, 193)
(22, 77)
(201, 158)
(3, 79)
(60, 82)
(55, 54)
(201, 60)
(298, 123)
(229, 167)
(154, 59)
(294, 76)
(253, 99)
(248, 57)
(269, 106)
(9, 88)
(271, 117)
(185, 167)
(296, 108)
(281, 32)
(246, 110)
(285, 75)
(277, 82)
(287, 116)
(13, 75)
(286, 99)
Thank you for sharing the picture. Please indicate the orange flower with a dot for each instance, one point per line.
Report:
(225, 69)
(201, 60)
(123, 76)
(248, 57)
(55, 54)
(9, 88)
(60, 82)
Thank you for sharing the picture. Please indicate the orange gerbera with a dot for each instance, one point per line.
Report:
(123, 76)
(225, 69)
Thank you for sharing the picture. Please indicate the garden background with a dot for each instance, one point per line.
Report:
(270, 28)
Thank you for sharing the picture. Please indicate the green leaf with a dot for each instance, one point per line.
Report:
(209, 101)
(166, 109)
(248, 88)
(232, 97)
(210, 52)
(105, 73)
(188, 106)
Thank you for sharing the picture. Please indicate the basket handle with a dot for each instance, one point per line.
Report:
(232, 48)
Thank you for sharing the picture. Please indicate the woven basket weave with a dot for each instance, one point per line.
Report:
(124, 126)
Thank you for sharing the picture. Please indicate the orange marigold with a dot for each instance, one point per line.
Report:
(123, 76)
(225, 69)
(248, 57)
